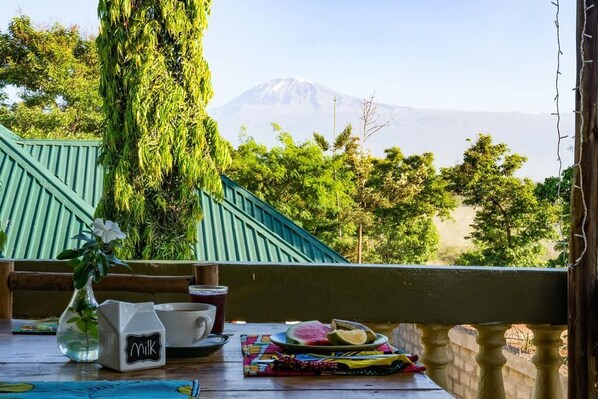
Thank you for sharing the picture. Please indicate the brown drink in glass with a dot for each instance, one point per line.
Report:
(214, 295)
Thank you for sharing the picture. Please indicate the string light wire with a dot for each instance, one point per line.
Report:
(560, 137)
(579, 181)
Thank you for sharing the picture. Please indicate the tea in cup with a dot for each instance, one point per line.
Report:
(186, 324)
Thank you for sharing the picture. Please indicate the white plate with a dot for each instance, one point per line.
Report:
(281, 340)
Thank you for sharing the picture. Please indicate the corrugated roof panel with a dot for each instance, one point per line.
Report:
(29, 199)
(303, 241)
(226, 234)
(73, 162)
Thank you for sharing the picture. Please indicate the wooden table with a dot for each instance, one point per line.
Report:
(36, 358)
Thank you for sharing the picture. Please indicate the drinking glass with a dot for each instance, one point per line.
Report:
(214, 295)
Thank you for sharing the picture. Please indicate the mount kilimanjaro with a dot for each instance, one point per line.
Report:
(302, 107)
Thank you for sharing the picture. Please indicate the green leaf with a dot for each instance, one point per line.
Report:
(3, 240)
(69, 254)
(93, 330)
(81, 275)
(103, 265)
(89, 245)
(81, 324)
(97, 276)
(83, 237)
(114, 260)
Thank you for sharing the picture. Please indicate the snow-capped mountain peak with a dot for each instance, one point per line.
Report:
(284, 92)
(285, 84)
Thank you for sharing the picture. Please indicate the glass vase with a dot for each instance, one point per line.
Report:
(77, 334)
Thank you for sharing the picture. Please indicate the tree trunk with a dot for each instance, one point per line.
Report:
(359, 242)
(583, 276)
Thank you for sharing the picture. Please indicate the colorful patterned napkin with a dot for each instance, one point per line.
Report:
(155, 389)
(263, 358)
(43, 326)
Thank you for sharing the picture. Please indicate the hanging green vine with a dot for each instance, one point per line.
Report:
(160, 146)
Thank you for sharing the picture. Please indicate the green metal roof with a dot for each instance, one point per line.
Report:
(71, 161)
(275, 222)
(50, 189)
(42, 212)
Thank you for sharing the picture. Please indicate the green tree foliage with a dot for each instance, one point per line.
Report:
(394, 199)
(319, 191)
(3, 240)
(510, 220)
(411, 194)
(56, 73)
(160, 146)
(359, 164)
(295, 178)
(557, 191)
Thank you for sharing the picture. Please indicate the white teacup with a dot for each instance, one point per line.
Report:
(186, 323)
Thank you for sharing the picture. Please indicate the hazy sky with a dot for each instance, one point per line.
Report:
(475, 55)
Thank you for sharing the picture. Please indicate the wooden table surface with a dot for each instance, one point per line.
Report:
(37, 358)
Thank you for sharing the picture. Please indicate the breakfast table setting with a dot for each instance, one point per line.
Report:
(185, 349)
(239, 363)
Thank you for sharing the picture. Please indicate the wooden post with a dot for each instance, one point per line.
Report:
(6, 267)
(205, 273)
(583, 300)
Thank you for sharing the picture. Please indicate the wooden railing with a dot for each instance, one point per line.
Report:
(436, 298)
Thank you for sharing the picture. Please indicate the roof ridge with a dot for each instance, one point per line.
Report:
(44, 176)
(95, 143)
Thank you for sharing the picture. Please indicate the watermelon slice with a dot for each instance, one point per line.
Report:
(309, 333)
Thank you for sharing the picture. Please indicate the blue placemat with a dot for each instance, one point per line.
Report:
(145, 389)
(43, 326)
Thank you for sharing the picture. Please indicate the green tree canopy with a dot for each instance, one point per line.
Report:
(319, 190)
(557, 191)
(160, 146)
(510, 220)
(297, 179)
(56, 73)
(411, 194)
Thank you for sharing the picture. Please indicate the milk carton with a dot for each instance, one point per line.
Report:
(131, 336)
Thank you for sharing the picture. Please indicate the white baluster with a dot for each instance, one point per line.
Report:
(547, 360)
(491, 338)
(436, 354)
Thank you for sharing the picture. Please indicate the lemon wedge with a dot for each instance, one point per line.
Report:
(347, 337)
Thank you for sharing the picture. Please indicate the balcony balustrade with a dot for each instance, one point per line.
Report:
(435, 298)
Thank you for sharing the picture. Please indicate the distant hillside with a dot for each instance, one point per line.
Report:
(302, 107)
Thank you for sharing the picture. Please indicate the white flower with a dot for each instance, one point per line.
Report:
(107, 231)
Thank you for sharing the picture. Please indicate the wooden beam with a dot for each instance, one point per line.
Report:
(582, 338)
(6, 268)
(114, 282)
(205, 273)
(372, 293)
(395, 294)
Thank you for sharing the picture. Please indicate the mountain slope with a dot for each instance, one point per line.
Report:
(302, 107)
